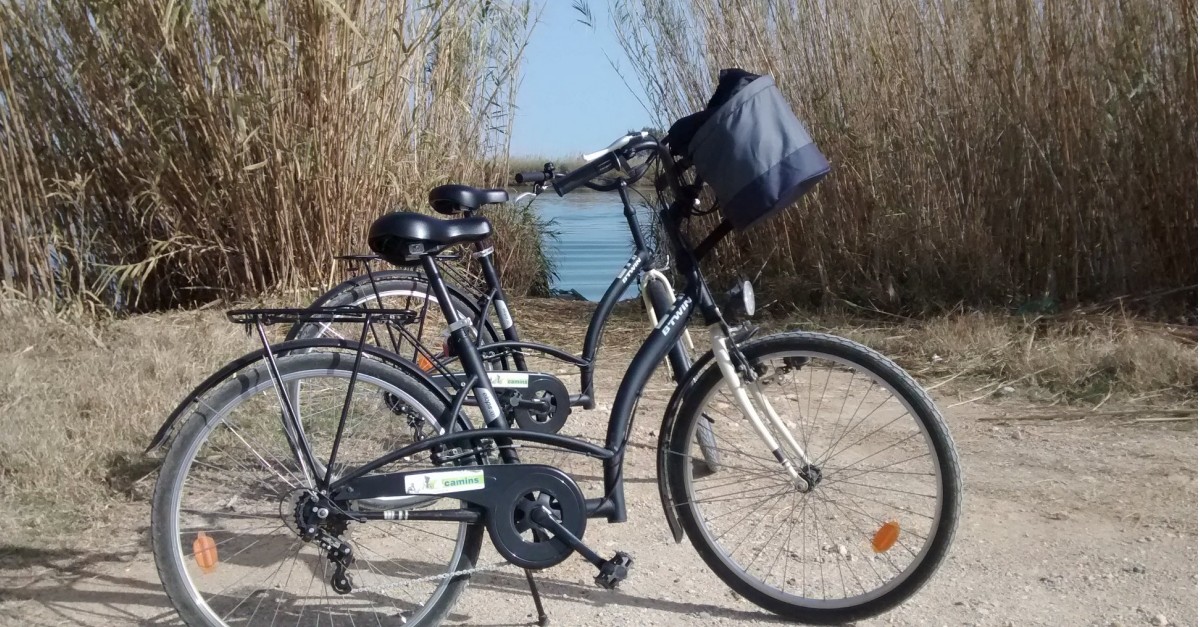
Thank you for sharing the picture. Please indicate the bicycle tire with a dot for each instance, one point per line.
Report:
(363, 291)
(204, 418)
(923, 409)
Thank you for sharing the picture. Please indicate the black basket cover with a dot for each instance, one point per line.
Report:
(750, 148)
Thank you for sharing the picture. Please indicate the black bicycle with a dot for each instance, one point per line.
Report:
(292, 489)
(532, 400)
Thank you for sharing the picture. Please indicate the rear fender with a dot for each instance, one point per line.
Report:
(248, 359)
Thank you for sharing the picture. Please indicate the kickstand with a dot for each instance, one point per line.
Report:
(543, 620)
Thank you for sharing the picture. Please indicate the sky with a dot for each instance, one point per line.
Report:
(571, 100)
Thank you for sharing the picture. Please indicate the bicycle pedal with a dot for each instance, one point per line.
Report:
(614, 571)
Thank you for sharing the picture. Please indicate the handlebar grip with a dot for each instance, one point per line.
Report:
(584, 173)
(530, 177)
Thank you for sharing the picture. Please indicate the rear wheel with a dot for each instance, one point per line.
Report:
(884, 502)
(231, 482)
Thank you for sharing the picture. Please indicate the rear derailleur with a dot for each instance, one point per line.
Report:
(319, 521)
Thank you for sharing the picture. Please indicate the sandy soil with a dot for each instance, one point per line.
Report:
(1084, 523)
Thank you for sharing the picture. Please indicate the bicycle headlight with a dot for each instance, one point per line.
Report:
(740, 302)
(748, 298)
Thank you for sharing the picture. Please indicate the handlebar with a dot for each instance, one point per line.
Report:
(530, 177)
(584, 173)
(599, 163)
(617, 145)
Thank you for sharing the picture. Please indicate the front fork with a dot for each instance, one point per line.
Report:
(749, 397)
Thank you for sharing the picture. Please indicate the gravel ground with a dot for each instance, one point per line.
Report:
(1084, 523)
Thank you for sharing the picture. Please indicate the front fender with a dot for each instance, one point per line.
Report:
(664, 442)
(246, 360)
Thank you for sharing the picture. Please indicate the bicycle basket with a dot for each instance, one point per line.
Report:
(750, 148)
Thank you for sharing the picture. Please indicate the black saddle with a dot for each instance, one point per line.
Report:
(451, 199)
(402, 237)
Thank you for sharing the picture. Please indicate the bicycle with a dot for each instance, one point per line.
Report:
(439, 482)
(537, 400)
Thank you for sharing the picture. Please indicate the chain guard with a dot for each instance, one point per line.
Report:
(506, 495)
(512, 532)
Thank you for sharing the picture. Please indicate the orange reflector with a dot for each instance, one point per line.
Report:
(886, 537)
(205, 552)
(423, 363)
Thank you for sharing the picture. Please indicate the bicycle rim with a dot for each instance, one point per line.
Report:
(429, 329)
(262, 567)
(871, 520)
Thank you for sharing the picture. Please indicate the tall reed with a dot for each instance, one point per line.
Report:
(984, 153)
(157, 154)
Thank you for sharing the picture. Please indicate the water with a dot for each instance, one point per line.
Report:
(593, 240)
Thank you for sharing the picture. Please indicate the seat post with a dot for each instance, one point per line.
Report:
(468, 353)
(483, 253)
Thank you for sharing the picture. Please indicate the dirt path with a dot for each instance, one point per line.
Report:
(1089, 523)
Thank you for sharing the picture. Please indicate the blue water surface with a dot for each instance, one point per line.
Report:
(593, 241)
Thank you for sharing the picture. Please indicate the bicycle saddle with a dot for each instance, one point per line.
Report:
(402, 237)
(451, 199)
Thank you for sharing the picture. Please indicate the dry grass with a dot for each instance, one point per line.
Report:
(984, 153)
(79, 401)
(1083, 360)
(158, 154)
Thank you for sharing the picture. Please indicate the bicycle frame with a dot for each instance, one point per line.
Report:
(665, 335)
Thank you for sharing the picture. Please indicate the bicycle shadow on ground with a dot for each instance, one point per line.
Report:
(558, 598)
(72, 587)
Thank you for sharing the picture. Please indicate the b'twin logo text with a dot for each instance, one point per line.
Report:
(668, 324)
(628, 269)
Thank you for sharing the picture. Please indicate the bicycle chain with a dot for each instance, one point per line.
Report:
(410, 582)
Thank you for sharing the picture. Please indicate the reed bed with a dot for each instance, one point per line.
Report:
(160, 154)
(1027, 154)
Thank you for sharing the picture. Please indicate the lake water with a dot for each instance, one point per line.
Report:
(593, 240)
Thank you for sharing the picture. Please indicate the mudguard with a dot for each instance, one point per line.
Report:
(246, 360)
(665, 433)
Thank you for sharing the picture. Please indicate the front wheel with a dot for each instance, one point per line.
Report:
(877, 509)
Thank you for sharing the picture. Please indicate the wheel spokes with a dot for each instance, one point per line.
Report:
(875, 473)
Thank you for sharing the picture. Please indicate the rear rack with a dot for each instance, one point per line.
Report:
(368, 257)
(361, 315)
(395, 322)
